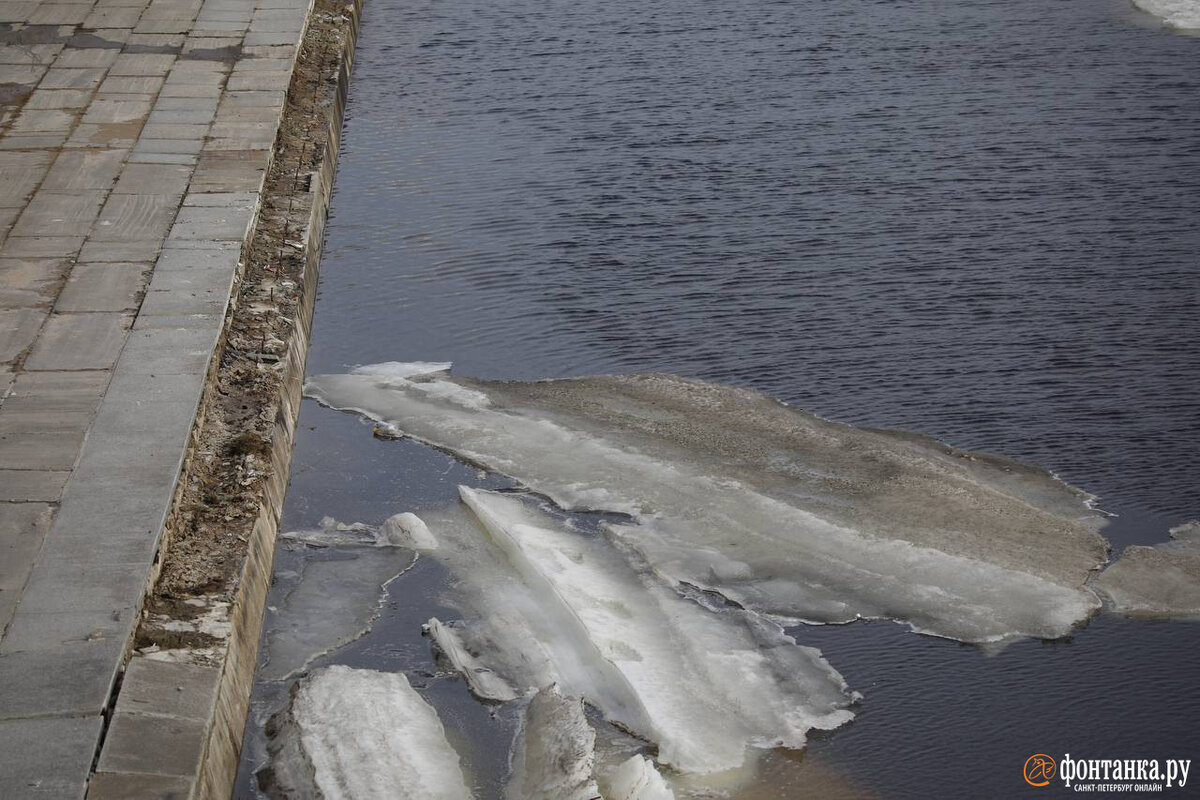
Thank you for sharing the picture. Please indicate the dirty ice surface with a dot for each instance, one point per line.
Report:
(775, 509)
(357, 734)
(1159, 581)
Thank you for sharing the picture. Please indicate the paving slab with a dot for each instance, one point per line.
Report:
(23, 528)
(84, 170)
(18, 329)
(79, 341)
(47, 758)
(104, 287)
(32, 485)
(31, 282)
(126, 786)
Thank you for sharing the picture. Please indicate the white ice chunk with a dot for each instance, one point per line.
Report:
(779, 510)
(353, 734)
(407, 530)
(637, 779)
(484, 682)
(703, 685)
(555, 752)
(1179, 14)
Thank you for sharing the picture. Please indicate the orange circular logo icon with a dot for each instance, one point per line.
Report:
(1039, 769)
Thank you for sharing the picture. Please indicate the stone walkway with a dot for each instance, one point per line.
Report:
(134, 136)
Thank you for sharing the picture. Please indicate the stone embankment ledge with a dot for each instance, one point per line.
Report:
(165, 168)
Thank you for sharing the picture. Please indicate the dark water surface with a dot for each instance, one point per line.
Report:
(973, 219)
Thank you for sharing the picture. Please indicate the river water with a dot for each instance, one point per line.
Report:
(976, 220)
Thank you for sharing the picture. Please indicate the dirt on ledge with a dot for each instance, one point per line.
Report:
(222, 490)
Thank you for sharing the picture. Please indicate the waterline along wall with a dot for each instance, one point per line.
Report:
(176, 723)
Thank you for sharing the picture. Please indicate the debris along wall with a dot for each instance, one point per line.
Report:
(183, 703)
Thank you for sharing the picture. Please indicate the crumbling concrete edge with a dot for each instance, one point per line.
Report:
(176, 724)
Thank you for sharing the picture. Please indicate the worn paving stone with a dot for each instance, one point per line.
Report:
(59, 213)
(32, 630)
(47, 414)
(153, 179)
(31, 282)
(135, 217)
(109, 251)
(84, 170)
(23, 528)
(106, 134)
(104, 287)
(59, 98)
(31, 680)
(20, 174)
(183, 146)
(18, 329)
(146, 85)
(87, 58)
(40, 246)
(83, 585)
(59, 14)
(47, 758)
(170, 351)
(127, 786)
(79, 341)
(187, 691)
(64, 78)
(157, 745)
(142, 64)
(230, 171)
(18, 485)
(210, 223)
(60, 384)
(58, 450)
(162, 130)
(106, 109)
(43, 120)
(113, 17)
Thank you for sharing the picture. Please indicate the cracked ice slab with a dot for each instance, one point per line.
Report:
(357, 734)
(545, 604)
(774, 508)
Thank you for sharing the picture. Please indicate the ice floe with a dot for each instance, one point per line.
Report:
(555, 751)
(1180, 14)
(778, 510)
(484, 683)
(355, 734)
(1159, 581)
(637, 779)
(545, 604)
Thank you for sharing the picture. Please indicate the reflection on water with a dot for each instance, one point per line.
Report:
(972, 219)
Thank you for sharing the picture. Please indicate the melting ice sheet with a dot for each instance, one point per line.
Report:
(548, 605)
(777, 510)
(1159, 581)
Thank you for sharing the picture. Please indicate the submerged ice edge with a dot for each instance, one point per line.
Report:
(761, 532)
